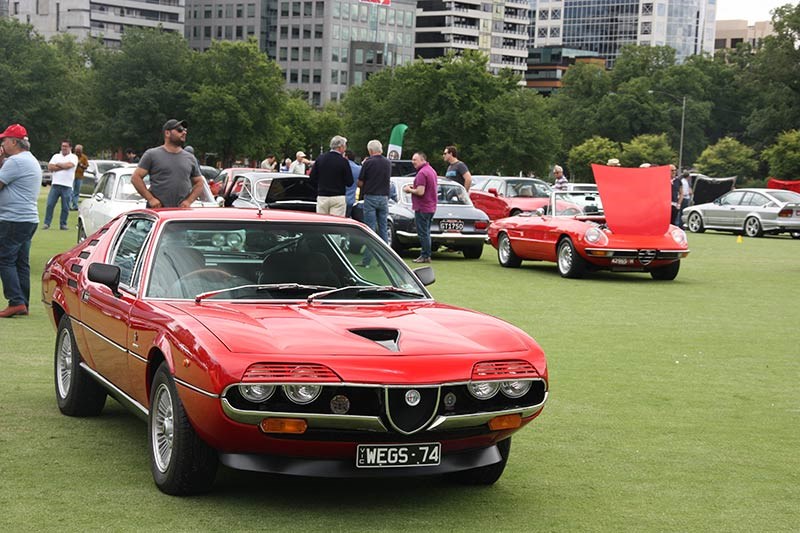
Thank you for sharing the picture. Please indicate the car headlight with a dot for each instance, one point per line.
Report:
(483, 390)
(515, 389)
(256, 393)
(595, 236)
(679, 236)
(302, 393)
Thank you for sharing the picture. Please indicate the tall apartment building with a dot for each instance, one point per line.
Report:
(498, 28)
(231, 20)
(605, 26)
(98, 18)
(730, 33)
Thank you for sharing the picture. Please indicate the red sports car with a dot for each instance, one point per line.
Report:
(633, 233)
(500, 196)
(254, 338)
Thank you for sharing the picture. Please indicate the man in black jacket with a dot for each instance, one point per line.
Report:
(332, 175)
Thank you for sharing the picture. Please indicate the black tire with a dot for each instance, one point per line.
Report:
(393, 242)
(81, 232)
(752, 227)
(667, 272)
(569, 261)
(486, 475)
(795, 234)
(180, 461)
(505, 254)
(473, 252)
(695, 222)
(77, 394)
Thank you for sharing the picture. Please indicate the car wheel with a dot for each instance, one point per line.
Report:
(505, 255)
(667, 272)
(795, 234)
(486, 475)
(570, 263)
(180, 461)
(473, 252)
(695, 222)
(77, 394)
(752, 227)
(81, 232)
(393, 242)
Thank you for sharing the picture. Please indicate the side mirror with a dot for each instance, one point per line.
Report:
(539, 212)
(493, 191)
(105, 274)
(99, 197)
(425, 275)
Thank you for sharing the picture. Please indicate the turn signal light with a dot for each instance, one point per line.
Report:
(785, 213)
(283, 425)
(505, 422)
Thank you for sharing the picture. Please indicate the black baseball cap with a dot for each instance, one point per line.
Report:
(172, 123)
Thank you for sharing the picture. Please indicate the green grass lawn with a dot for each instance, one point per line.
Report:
(674, 406)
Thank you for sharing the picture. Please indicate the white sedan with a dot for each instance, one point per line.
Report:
(115, 194)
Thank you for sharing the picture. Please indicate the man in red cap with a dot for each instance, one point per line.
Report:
(20, 179)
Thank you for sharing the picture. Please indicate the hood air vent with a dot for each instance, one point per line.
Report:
(385, 337)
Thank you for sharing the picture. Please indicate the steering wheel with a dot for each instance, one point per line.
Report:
(201, 280)
(213, 275)
(570, 211)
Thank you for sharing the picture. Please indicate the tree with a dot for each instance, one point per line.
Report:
(576, 107)
(595, 150)
(648, 148)
(236, 106)
(783, 157)
(637, 61)
(728, 157)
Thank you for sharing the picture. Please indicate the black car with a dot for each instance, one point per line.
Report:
(456, 225)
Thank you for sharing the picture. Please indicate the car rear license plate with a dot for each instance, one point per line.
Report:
(398, 455)
(451, 225)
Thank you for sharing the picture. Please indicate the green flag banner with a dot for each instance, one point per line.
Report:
(395, 150)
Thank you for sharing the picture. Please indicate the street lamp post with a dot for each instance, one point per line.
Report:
(683, 122)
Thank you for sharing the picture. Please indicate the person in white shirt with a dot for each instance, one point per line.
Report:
(560, 181)
(684, 196)
(300, 164)
(62, 165)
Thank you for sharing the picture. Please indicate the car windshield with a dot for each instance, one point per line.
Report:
(573, 203)
(785, 196)
(105, 166)
(527, 189)
(263, 260)
(448, 193)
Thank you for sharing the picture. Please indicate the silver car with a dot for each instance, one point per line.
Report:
(749, 211)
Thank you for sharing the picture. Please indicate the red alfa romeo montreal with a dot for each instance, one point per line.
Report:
(255, 339)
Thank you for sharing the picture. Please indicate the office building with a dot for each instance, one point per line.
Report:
(498, 28)
(605, 26)
(730, 33)
(231, 20)
(547, 66)
(107, 19)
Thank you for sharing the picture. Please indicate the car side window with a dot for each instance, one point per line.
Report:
(128, 254)
(101, 184)
(109, 185)
(495, 184)
(733, 198)
(758, 200)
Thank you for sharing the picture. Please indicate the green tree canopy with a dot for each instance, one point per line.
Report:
(728, 157)
(783, 157)
(595, 150)
(648, 148)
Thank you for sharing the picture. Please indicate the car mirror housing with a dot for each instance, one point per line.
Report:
(493, 191)
(99, 197)
(425, 275)
(105, 274)
(539, 212)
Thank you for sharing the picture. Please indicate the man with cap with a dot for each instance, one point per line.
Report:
(174, 177)
(300, 163)
(20, 179)
(613, 162)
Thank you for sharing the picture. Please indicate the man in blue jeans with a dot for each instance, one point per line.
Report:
(62, 165)
(424, 194)
(20, 179)
(374, 181)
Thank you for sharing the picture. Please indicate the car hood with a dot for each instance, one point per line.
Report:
(302, 329)
(635, 200)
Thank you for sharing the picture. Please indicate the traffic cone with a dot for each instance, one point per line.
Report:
(738, 239)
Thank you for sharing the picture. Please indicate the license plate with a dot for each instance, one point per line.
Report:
(451, 225)
(620, 261)
(398, 455)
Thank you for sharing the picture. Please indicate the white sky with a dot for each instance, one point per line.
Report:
(750, 10)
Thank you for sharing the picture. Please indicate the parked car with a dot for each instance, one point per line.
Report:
(503, 196)
(98, 167)
(587, 196)
(403, 167)
(115, 194)
(272, 190)
(456, 225)
(582, 242)
(47, 175)
(753, 212)
(254, 339)
(706, 189)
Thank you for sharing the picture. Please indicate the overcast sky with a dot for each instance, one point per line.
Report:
(750, 10)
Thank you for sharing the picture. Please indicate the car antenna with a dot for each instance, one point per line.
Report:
(259, 211)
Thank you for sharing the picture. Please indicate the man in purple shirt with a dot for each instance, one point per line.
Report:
(423, 202)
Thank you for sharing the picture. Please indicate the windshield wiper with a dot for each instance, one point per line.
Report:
(265, 287)
(364, 289)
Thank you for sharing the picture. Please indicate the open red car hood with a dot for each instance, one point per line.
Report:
(635, 200)
(424, 329)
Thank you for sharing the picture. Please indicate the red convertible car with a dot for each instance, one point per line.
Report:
(254, 339)
(632, 234)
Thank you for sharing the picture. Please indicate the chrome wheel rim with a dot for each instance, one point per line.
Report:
(565, 257)
(694, 222)
(163, 428)
(504, 249)
(64, 364)
(751, 227)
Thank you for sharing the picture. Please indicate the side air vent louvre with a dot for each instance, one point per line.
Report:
(388, 338)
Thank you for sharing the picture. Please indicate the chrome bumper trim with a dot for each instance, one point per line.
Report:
(314, 420)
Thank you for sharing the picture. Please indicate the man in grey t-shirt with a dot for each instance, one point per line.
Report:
(174, 180)
(457, 170)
